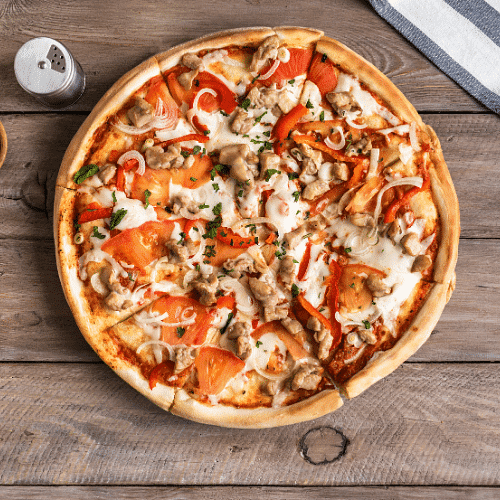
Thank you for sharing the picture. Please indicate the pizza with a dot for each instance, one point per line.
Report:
(254, 226)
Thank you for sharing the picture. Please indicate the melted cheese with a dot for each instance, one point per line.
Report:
(136, 213)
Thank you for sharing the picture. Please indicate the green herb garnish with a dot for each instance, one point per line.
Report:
(217, 209)
(180, 331)
(309, 104)
(117, 217)
(147, 194)
(97, 234)
(270, 172)
(246, 102)
(296, 195)
(196, 150)
(85, 172)
(113, 196)
(367, 324)
(295, 290)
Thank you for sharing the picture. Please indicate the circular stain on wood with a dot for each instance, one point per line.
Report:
(323, 445)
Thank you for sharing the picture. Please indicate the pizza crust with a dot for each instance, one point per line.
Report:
(227, 416)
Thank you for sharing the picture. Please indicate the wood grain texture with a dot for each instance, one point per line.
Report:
(246, 493)
(37, 144)
(107, 45)
(80, 424)
(36, 324)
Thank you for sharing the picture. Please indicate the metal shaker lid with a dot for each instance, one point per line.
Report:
(43, 66)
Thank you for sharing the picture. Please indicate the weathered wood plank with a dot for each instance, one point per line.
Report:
(80, 424)
(36, 324)
(246, 493)
(37, 144)
(122, 37)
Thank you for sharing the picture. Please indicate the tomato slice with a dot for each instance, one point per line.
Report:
(323, 73)
(158, 89)
(165, 373)
(300, 59)
(227, 301)
(293, 346)
(216, 367)
(177, 309)
(140, 245)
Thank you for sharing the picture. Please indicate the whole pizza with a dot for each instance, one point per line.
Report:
(253, 225)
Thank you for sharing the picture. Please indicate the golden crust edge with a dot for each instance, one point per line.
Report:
(446, 200)
(417, 333)
(109, 104)
(370, 75)
(311, 408)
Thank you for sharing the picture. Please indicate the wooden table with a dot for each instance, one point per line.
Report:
(70, 428)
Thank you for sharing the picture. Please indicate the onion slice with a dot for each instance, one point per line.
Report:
(271, 71)
(350, 122)
(200, 93)
(169, 348)
(400, 130)
(336, 145)
(133, 155)
(374, 156)
(412, 181)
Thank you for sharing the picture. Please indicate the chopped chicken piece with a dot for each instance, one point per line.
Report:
(242, 122)
(243, 162)
(268, 49)
(377, 286)
(273, 387)
(117, 302)
(180, 252)
(394, 230)
(411, 244)
(192, 61)
(341, 171)
(109, 278)
(141, 113)
(362, 147)
(287, 270)
(342, 102)
(207, 289)
(241, 332)
(315, 189)
(307, 377)
(421, 263)
(236, 267)
(186, 79)
(322, 335)
(184, 357)
(286, 101)
(268, 161)
(263, 292)
(292, 325)
(158, 159)
(107, 173)
(361, 219)
(184, 202)
(367, 336)
(273, 313)
(263, 97)
(293, 238)
(316, 224)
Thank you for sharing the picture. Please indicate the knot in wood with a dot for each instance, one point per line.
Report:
(323, 445)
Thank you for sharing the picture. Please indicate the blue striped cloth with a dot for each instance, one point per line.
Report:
(461, 37)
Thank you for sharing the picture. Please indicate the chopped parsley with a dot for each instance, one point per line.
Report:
(197, 83)
(349, 142)
(206, 132)
(223, 113)
(183, 236)
(291, 82)
(367, 324)
(147, 194)
(293, 175)
(270, 172)
(113, 195)
(267, 133)
(185, 154)
(309, 104)
(212, 227)
(347, 250)
(258, 343)
(224, 328)
(85, 172)
(217, 209)
(323, 58)
(352, 285)
(194, 179)
(202, 207)
(308, 235)
(295, 290)
(197, 267)
(209, 251)
(255, 79)
(322, 116)
(215, 186)
(130, 277)
(296, 195)
(240, 193)
(259, 118)
(295, 261)
(97, 234)
(180, 331)
(117, 217)
(246, 102)
(76, 225)
(196, 150)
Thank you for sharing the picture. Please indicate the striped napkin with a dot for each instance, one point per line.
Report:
(461, 37)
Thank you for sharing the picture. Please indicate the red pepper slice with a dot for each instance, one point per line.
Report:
(313, 311)
(393, 208)
(285, 124)
(232, 239)
(91, 214)
(130, 164)
(226, 301)
(120, 179)
(304, 263)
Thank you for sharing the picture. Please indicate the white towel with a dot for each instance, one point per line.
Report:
(461, 37)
